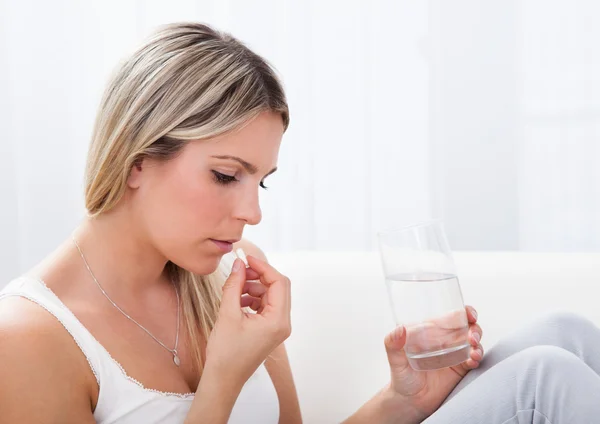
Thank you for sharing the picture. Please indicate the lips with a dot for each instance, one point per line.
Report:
(224, 245)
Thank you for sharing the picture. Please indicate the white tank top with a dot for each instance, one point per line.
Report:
(122, 399)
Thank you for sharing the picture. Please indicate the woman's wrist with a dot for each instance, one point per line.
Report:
(215, 397)
(387, 407)
(398, 409)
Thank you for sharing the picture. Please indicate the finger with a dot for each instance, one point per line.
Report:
(232, 289)
(475, 335)
(253, 303)
(266, 273)
(470, 364)
(477, 354)
(252, 275)
(227, 263)
(394, 346)
(450, 321)
(475, 358)
(471, 314)
(278, 295)
(254, 289)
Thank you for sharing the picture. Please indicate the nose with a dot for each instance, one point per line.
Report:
(248, 209)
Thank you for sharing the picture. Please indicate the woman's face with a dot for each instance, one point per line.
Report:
(195, 205)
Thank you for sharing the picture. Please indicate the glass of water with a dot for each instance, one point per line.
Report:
(425, 295)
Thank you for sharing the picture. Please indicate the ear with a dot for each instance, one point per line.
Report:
(135, 175)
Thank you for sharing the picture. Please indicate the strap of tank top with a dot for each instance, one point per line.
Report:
(36, 291)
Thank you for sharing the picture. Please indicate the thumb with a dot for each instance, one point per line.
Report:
(394, 346)
(233, 287)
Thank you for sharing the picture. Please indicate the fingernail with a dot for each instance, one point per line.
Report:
(398, 333)
(237, 264)
(477, 337)
(474, 312)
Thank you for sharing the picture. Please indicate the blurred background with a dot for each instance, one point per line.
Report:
(483, 114)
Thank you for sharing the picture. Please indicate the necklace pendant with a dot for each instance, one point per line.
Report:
(176, 359)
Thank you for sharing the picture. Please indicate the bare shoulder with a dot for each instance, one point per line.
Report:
(250, 249)
(42, 371)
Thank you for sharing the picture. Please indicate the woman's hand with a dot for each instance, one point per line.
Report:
(424, 391)
(241, 341)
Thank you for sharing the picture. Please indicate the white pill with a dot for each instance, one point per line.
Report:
(240, 254)
(227, 263)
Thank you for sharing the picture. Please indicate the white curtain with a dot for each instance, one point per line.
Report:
(485, 114)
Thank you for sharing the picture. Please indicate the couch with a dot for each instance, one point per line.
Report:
(340, 313)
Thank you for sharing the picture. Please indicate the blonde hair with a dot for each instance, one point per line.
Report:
(187, 82)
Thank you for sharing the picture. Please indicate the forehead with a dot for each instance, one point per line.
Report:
(257, 142)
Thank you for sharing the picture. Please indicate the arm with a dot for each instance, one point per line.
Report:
(44, 377)
(412, 395)
(241, 341)
(278, 364)
(279, 369)
(384, 408)
(214, 399)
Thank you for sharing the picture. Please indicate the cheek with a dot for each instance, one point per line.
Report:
(200, 204)
(179, 211)
(186, 205)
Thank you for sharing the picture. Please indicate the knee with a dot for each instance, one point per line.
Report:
(545, 354)
(566, 322)
(543, 376)
(547, 360)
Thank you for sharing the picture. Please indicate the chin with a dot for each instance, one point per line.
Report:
(208, 266)
(205, 265)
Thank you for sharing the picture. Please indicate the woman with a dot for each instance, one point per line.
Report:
(130, 321)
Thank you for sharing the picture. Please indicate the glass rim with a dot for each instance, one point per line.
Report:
(420, 224)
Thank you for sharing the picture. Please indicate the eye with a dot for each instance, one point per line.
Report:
(262, 185)
(223, 178)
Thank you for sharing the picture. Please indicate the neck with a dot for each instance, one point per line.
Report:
(121, 258)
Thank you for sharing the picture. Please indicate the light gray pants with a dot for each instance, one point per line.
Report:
(546, 373)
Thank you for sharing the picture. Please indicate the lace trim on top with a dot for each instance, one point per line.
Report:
(184, 396)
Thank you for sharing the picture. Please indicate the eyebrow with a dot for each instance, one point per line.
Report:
(251, 169)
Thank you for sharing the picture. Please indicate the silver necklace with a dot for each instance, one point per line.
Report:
(173, 351)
